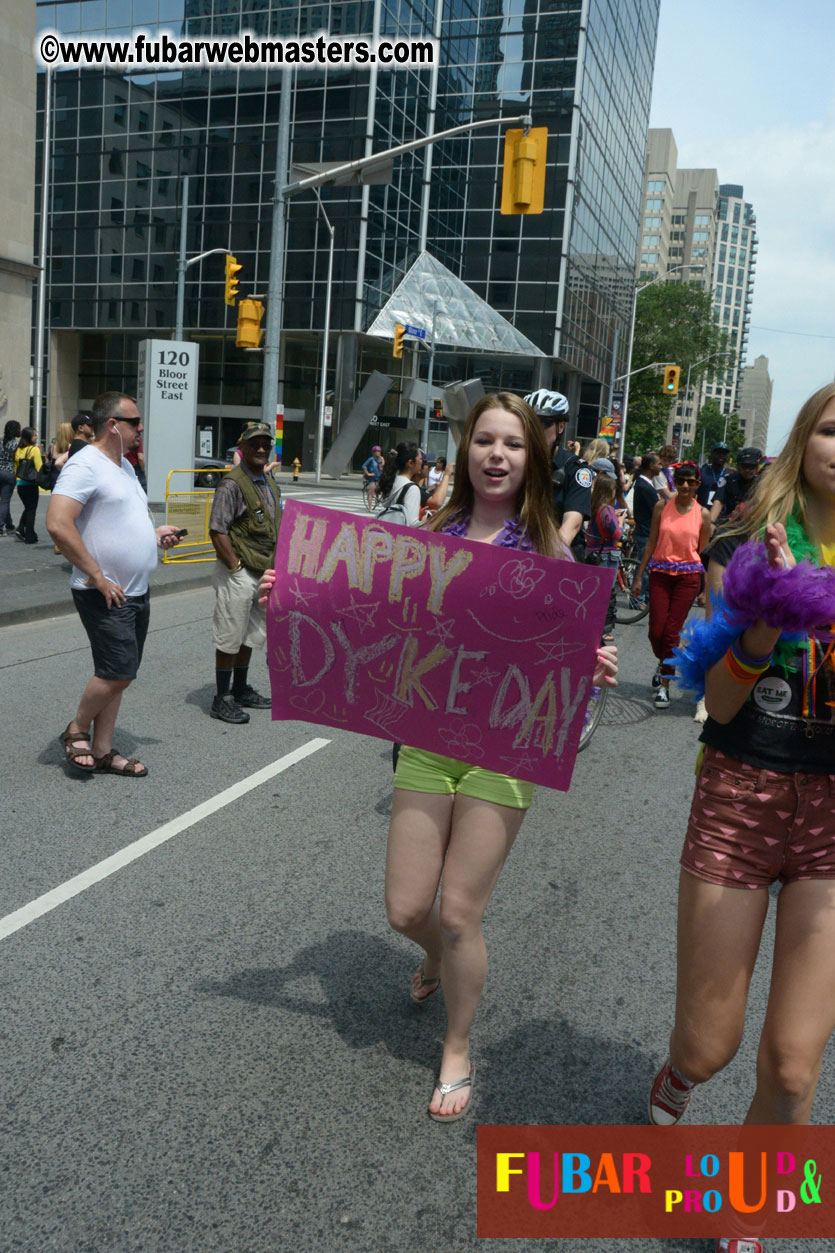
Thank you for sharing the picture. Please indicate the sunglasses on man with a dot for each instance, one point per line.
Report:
(684, 478)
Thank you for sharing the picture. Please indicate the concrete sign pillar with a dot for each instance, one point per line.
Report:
(167, 399)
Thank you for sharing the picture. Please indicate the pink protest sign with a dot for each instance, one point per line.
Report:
(482, 653)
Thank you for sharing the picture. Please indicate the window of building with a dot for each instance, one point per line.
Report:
(655, 185)
(652, 224)
(725, 230)
(119, 110)
(162, 185)
(167, 136)
(649, 258)
(144, 121)
(650, 241)
(700, 237)
(698, 252)
(734, 234)
(736, 211)
(116, 265)
(143, 173)
(702, 219)
(732, 255)
(117, 207)
(654, 206)
(677, 219)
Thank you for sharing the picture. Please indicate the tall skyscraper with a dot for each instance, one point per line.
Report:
(755, 403)
(689, 217)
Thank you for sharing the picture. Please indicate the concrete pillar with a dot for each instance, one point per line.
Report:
(64, 369)
(345, 387)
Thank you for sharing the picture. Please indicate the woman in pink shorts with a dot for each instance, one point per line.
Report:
(764, 807)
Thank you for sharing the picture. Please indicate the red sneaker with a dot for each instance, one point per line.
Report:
(668, 1098)
(733, 1245)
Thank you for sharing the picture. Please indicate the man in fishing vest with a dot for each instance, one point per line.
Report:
(243, 526)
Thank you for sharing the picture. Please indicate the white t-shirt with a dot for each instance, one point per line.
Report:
(114, 523)
(410, 501)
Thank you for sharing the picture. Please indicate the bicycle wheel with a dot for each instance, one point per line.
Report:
(594, 712)
(627, 608)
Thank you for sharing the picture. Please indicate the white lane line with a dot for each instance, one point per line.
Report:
(103, 869)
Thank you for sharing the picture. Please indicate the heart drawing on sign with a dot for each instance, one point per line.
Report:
(579, 592)
(311, 704)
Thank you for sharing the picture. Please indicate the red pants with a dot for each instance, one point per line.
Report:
(670, 598)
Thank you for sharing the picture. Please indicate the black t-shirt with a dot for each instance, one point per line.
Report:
(76, 446)
(733, 491)
(572, 493)
(644, 500)
(772, 731)
(724, 547)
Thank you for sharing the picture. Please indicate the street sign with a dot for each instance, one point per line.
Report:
(417, 331)
(328, 417)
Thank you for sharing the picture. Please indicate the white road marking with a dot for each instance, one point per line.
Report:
(103, 869)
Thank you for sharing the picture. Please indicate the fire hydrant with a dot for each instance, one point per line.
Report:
(297, 465)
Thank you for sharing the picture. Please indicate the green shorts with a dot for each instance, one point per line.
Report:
(419, 771)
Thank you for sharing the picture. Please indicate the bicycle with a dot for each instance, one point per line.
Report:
(594, 713)
(627, 608)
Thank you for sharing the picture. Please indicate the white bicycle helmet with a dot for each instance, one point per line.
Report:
(548, 404)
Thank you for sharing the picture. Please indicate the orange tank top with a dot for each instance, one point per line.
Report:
(678, 538)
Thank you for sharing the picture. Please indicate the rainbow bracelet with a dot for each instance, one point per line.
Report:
(741, 667)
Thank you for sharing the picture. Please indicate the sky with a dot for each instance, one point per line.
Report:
(746, 86)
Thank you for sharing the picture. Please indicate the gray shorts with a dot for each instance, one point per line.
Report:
(116, 635)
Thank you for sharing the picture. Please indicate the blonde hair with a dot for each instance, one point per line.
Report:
(596, 449)
(535, 500)
(64, 436)
(781, 488)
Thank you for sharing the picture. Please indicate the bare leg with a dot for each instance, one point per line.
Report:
(417, 843)
(719, 931)
(99, 706)
(801, 1004)
(481, 837)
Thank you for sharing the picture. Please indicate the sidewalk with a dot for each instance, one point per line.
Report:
(35, 581)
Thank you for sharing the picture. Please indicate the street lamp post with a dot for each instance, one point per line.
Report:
(687, 265)
(323, 383)
(690, 368)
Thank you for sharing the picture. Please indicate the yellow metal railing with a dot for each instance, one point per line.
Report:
(188, 509)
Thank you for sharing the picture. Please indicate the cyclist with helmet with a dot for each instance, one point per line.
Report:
(571, 476)
(372, 468)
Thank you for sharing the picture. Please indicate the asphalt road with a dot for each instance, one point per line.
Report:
(213, 1048)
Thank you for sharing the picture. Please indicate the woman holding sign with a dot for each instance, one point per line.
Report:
(453, 824)
(764, 808)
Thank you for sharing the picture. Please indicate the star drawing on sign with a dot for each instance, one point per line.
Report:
(521, 761)
(485, 675)
(299, 595)
(363, 615)
(556, 651)
(443, 630)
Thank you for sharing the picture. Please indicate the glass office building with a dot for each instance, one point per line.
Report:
(123, 144)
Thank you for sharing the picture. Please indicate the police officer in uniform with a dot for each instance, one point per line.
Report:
(572, 476)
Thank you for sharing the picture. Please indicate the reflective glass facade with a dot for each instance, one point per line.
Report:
(123, 143)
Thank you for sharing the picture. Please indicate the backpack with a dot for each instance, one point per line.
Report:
(395, 510)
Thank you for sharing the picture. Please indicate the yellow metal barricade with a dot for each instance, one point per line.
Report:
(188, 509)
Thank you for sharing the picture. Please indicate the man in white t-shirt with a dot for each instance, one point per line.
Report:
(98, 518)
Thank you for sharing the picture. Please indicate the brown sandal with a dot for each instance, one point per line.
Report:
(69, 739)
(104, 765)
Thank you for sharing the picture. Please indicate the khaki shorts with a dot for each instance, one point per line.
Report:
(239, 621)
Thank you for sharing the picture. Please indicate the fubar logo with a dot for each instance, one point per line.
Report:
(772, 694)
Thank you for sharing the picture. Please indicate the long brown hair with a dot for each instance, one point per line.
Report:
(782, 488)
(535, 500)
(603, 492)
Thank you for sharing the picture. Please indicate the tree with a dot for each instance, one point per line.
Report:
(674, 324)
(712, 426)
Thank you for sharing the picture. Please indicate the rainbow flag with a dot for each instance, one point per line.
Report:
(279, 434)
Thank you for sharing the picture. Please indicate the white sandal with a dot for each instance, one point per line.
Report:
(446, 1088)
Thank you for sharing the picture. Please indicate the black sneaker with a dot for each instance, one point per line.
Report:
(662, 699)
(250, 699)
(656, 678)
(227, 709)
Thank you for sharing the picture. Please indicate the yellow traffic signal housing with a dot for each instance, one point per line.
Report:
(232, 267)
(397, 346)
(250, 313)
(672, 374)
(523, 182)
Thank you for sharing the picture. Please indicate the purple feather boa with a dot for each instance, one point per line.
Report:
(792, 600)
(795, 601)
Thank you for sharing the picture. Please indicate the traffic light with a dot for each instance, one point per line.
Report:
(672, 374)
(523, 182)
(232, 268)
(397, 346)
(250, 313)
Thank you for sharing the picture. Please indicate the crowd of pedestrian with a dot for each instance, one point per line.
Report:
(760, 535)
